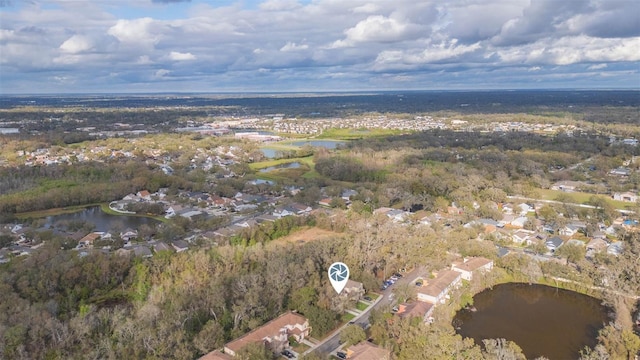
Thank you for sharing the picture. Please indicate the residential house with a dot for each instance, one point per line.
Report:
(216, 355)
(191, 214)
(615, 248)
(274, 334)
(367, 351)
(522, 237)
(596, 245)
(490, 225)
(437, 290)
(128, 234)
(87, 240)
(180, 245)
(144, 194)
(347, 194)
(247, 223)
(626, 197)
(569, 230)
(471, 265)
(621, 171)
(325, 202)
(553, 243)
(281, 212)
(419, 309)
(566, 186)
(161, 246)
(142, 251)
(353, 289)
(519, 221)
(525, 208)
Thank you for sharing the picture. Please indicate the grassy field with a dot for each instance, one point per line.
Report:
(354, 134)
(361, 306)
(53, 212)
(580, 197)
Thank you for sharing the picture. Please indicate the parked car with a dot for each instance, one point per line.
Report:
(368, 298)
(288, 354)
(384, 287)
(341, 355)
(398, 275)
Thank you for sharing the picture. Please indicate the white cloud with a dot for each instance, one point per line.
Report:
(291, 46)
(178, 56)
(137, 32)
(597, 66)
(377, 28)
(76, 44)
(160, 74)
(279, 5)
(571, 50)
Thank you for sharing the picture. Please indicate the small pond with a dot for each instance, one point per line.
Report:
(328, 144)
(291, 165)
(269, 153)
(102, 220)
(542, 320)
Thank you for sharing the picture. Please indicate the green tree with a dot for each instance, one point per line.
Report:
(572, 252)
(352, 335)
(255, 351)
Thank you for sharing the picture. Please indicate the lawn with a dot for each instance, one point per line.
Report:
(579, 197)
(361, 306)
(354, 134)
(300, 348)
(347, 317)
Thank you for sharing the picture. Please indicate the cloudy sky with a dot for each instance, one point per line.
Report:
(316, 45)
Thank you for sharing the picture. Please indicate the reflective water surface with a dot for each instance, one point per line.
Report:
(542, 320)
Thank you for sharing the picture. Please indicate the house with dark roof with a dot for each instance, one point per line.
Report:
(553, 243)
(180, 245)
(275, 334)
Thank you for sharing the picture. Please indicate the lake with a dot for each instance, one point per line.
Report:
(102, 220)
(542, 320)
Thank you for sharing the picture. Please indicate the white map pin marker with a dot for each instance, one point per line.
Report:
(338, 275)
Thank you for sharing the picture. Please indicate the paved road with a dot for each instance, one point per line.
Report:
(331, 343)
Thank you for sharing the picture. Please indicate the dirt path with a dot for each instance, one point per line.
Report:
(307, 234)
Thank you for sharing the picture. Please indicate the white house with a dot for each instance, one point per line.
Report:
(471, 265)
(626, 197)
(436, 290)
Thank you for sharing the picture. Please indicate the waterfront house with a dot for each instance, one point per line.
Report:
(472, 265)
(437, 290)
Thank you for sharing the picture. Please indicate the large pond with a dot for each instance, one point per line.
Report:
(291, 165)
(101, 220)
(542, 320)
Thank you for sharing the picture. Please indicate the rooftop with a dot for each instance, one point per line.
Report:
(267, 330)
